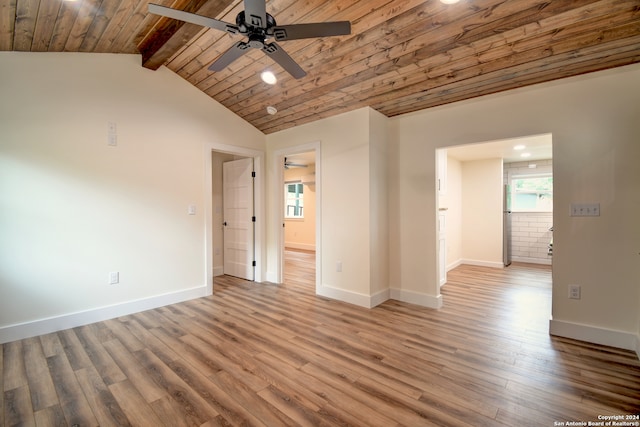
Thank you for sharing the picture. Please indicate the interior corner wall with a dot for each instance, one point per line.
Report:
(344, 141)
(379, 200)
(482, 212)
(594, 122)
(73, 209)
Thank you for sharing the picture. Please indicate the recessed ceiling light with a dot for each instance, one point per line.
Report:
(525, 155)
(272, 110)
(268, 77)
(449, 1)
(519, 147)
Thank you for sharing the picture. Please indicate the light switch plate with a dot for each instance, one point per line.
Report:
(114, 278)
(585, 209)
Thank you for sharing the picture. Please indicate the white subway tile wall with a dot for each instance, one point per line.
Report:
(530, 231)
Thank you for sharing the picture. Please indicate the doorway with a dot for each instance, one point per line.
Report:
(299, 240)
(471, 195)
(215, 156)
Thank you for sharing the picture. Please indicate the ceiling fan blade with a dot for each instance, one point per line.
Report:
(281, 57)
(255, 12)
(234, 52)
(306, 31)
(192, 18)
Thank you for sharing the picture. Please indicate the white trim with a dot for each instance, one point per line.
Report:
(259, 191)
(594, 334)
(417, 298)
(481, 263)
(301, 246)
(638, 345)
(218, 271)
(72, 320)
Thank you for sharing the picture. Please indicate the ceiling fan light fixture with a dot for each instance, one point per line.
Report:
(449, 1)
(268, 77)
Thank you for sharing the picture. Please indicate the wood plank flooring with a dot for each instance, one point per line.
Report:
(266, 355)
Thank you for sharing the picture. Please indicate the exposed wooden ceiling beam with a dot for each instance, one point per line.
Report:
(169, 35)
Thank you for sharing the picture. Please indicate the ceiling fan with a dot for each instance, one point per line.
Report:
(255, 23)
(288, 164)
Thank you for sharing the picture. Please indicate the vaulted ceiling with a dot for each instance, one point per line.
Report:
(402, 55)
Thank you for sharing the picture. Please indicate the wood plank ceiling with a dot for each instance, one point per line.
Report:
(402, 55)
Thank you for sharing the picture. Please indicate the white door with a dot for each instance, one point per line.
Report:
(237, 183)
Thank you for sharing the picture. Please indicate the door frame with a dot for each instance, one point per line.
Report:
(278, 161)
(259, 206)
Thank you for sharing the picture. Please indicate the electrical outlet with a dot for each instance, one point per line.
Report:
(114, 278)
(339, 266)
(574, 291)
(112, 134)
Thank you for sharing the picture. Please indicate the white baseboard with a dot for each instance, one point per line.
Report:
(481, 263)
(72, 320)
(350, 297)
(272, 277)
(218, 271)
(595, 335)
(302, 246)
(453, 265)
(380, 297)
(417, 298)
(545, 261)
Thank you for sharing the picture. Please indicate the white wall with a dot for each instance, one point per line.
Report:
(595, 127)
(481, 220)
(73, 209)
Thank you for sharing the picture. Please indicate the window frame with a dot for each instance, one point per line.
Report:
(299, 197)
(544, 173)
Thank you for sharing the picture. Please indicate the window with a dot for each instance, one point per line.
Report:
(293, 200)
(532, 193)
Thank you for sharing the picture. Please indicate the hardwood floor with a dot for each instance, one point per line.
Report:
(261, 354)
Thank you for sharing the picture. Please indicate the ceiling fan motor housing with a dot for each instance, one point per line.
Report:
(255, 25)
